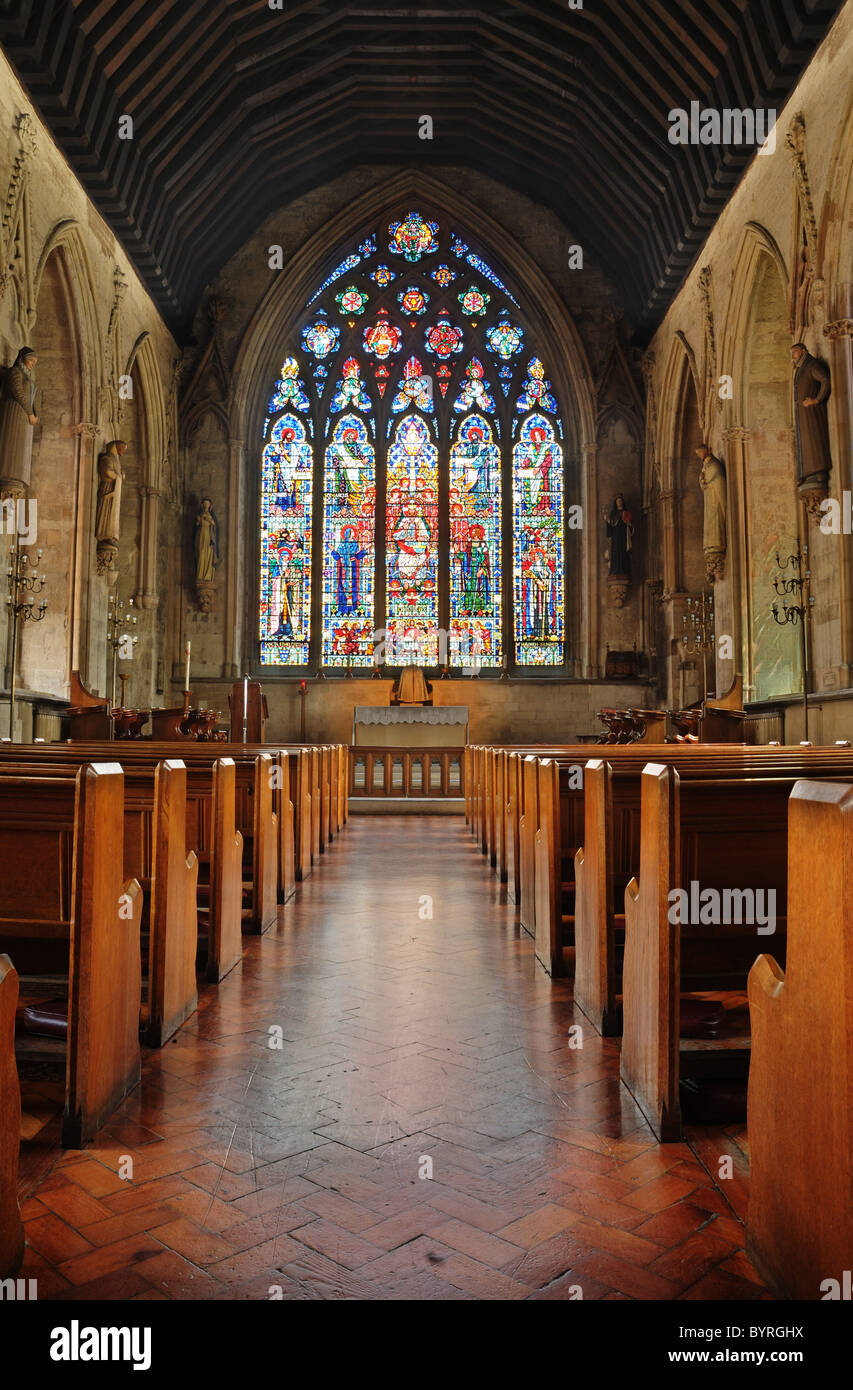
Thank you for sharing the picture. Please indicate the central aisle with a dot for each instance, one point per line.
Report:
(424, 1129)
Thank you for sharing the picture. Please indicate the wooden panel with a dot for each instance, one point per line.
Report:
(800, 1108)
(595, 968)
(105, 975)
(652, 961)
(173, 944)
(225, 946)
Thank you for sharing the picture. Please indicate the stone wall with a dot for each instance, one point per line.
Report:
(69, 290)
(777, 267)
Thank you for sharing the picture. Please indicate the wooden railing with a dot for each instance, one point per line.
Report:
(436, 772)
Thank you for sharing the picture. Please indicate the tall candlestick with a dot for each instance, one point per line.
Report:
(187, 677)
(245, 709)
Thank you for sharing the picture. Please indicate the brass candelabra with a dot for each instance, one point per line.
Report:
(119, 618)
(23, 579)
(796, 614)
(697, 636)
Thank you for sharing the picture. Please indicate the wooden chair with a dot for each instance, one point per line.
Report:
(800, 1108)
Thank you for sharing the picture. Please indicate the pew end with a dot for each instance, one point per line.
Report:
(800, 1102)
(11, 1228)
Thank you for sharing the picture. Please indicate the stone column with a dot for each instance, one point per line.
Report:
(236, 599)
(592, 589)
(735, 441)
(839, 335)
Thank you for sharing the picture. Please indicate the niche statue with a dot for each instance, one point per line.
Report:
(620, 536)
(206, 555)
(811, 427)
(108, 510)
(17, 418)
(712, 480)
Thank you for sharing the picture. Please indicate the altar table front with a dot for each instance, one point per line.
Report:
(410, 726)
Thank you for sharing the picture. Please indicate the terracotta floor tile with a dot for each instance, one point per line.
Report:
(301, 1170)
(109, 1258)
(538, 1226)
(480, 1245)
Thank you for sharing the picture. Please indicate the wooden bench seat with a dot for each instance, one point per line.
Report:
(70, 918)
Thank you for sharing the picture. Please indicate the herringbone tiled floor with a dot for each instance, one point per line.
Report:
(417, 1035)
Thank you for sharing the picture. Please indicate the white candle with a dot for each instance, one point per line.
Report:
(187, 677)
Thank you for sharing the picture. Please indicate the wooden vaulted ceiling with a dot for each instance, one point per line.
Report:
(239, 108)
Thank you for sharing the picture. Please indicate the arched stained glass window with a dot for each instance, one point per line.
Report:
(412, 473)
(475, 545)
(411, 543)
(349, 511)
(288, 478)
(537, 534)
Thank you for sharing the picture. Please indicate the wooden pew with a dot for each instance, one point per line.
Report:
(722, 835)
(66, 910)
(173, 922)
(595, 916)
(800, 1107)
(628, 761)
(154, 839)
(11, 1227)
(211, 833)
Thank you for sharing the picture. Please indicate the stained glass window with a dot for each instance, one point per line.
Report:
(474, 392)
(411, 539)
(414, 382)
(287, 480)
(349, 509)
(475, 546)
(537, 528)
(413, 237)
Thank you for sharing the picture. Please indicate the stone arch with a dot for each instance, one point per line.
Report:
(760, 462)
(65, 333)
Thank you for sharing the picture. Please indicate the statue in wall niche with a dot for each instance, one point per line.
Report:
(811, 427)
(17, 419)
(108, 509)
(620, 537)
(712, 480)
(206, 553)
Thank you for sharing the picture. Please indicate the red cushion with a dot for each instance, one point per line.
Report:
(50, 1019)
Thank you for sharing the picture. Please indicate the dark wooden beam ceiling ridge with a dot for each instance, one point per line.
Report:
(238, 109)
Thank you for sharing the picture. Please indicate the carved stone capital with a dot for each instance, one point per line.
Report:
(715, 565)
(107, 554)
(86, 430)
(735, 435)
(617, 589)
(841, 328)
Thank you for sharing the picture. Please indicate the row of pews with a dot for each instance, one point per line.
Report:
(123, 884)
(701, 897)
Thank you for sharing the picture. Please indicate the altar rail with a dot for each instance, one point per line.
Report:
(407, 772)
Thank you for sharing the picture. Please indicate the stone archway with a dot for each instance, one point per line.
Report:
(46, 646)
(763, 385)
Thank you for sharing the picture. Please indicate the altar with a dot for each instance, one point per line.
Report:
(410, 726)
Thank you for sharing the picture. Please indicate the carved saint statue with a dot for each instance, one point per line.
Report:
(108, 510)
(17, 418)
(206, 543)
(620, 534)
(811, 427)
(712, 480)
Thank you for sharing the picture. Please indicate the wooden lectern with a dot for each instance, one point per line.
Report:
(256, 711)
